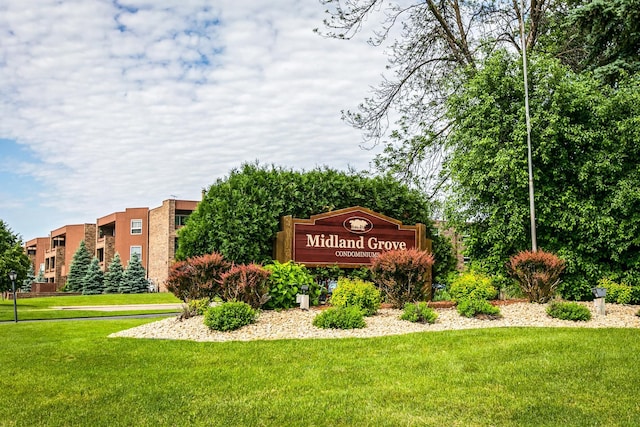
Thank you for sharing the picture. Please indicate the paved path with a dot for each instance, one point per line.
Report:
(124, 307)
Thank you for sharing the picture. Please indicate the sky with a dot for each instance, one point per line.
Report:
(112, 104)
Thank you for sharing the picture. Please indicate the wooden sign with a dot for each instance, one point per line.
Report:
(350, 237)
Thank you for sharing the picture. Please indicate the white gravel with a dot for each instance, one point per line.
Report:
(297, 324)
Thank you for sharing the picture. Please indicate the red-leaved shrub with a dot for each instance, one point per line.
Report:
(403, 276)
(246, 283)
(197, 277)
(537, 273)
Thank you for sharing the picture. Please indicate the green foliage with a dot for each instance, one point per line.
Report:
(114, 275)
(197, 277)
(199, 306)
(568, 311)
(31, 277)
(472, 285)
(419, 313)
(445, 261)
(246, 283)
(134, 280)
(78, 269)
(12, 257)
(229, 316)
(586, 167)
(93, 280)
(285, 281)
(349, 317)
(357, 293)
(473, 307)
(537, 273)
(240, 215)
(618, 293)
(403, 276)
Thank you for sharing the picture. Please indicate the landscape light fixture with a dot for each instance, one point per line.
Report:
(13, 275)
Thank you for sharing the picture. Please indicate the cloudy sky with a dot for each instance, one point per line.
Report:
(108, 104)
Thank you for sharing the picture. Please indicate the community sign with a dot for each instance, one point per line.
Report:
(350, 237)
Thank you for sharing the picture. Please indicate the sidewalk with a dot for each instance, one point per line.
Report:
(126, 307)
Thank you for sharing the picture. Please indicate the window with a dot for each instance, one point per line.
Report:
(181, 220)
(135, 250)
(136, 226)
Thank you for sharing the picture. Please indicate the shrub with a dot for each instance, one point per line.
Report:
(198, 306)
(403, 276)
(246, 283)
(419, 313)
(618, 293)
(284, 284)
(358, 293)
(349, 317)
(197, 277)
(537, 273)
(229, 316)
(568, 311)
(472, 307)
(472, 285)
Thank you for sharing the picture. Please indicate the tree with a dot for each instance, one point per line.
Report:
(79, 265)
(585, 161)
(239, 217)
(134, 280)
(114, 275)
(26, 283)
(12, 257)
(438, 46)
(93, 280)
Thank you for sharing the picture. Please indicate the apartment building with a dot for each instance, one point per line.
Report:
(164, 221)
(124, 233)
(150, 233)
(63, 243)
(35, 250)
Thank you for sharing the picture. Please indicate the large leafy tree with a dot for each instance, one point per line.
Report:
(79, 266)
(12, 257)
(239, 216)
(585, 160)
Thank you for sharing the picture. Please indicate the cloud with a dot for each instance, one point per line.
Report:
(124, 103)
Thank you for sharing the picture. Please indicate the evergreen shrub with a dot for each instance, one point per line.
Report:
(403, 276)
(537, 273)
(472, 285)
(418, 313)
(568, 311)
(358, 293)
(340, 318)
(197, 277)
(229, 316)
(246, 283)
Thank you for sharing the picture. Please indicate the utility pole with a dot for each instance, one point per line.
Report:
(532, 207)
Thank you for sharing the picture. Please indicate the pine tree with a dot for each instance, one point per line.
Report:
(31, 277)
(41, 278)
(134, 281)
(93, 281)
(114, 276)
(79, 265)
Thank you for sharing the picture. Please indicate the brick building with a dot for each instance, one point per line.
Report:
(151, 233)
(63, 243)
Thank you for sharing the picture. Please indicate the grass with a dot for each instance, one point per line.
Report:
(42, 308)
(70, 373)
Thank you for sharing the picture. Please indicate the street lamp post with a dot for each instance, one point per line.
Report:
(13, 276)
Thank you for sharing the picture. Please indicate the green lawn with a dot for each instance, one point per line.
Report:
(41, 308)
(70, 373)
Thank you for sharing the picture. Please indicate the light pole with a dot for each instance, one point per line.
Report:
(13, 276)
